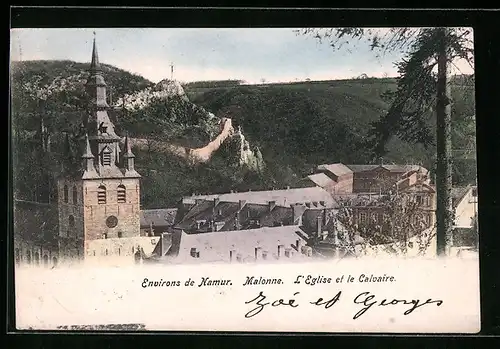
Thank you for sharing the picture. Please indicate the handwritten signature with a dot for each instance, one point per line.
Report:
(365, 299)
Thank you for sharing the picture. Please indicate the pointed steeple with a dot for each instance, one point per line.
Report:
(129, 159)
(94, 64)
(128, 149)
(88, 152)
(88, 161)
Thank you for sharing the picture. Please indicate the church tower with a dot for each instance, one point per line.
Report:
(99, 200)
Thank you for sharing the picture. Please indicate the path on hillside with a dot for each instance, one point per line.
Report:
(203, 154)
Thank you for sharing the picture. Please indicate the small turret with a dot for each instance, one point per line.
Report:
(88, 161)
(129, 159)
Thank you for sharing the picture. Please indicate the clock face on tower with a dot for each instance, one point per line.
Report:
(111, 222)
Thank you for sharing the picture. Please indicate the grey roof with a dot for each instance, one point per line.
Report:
(391, 168)
(284, 197)
(158, 217)
(457, 194)
(337, 169)
(321, 179)
(215, 245)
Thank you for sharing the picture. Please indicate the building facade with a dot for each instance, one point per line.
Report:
(99, 199)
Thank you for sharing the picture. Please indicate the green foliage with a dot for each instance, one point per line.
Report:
(291, 129)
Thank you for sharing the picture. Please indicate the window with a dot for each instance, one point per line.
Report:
(28, 257)
(65, 194)
(101, 195)
(71, 221)
(120, 234)
(75, 195)
(106, 252)
(121, 194)
(474, 192)
(362, 217)
(419, 200)
(54, 261)
(45, 260)
(37, 259)
(106, 157)
(105, 235)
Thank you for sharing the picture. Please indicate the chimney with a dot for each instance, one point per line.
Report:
(318, 226)
(242, 204)
(232, 254)
(297, 214)
(298, 245)
(280, 250)
(258, 253)
(271, 205)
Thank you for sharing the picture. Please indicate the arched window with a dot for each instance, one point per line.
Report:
(121, 194)
(75, 195)
(65, 194)
(54, 261)
(71, 221)
(45, 260)
(37, 259)
(28, 257)
(106, 157)
(101, 195)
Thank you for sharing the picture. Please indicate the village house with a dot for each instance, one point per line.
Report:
(314, 225)
(338, 179)
(265, 244)
(464, 201)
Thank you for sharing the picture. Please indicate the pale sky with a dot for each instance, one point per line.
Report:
(250, 54)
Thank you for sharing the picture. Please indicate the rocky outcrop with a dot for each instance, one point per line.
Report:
(141, 99)
(197, 155)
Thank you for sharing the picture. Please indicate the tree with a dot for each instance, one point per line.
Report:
(419, 90)
(394, 222)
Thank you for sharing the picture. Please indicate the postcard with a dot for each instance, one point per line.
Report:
(245, 180)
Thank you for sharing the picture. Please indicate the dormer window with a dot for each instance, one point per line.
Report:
(106, 157)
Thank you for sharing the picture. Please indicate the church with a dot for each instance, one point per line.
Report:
(98, 200)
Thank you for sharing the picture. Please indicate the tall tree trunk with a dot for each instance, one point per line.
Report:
(444, 210)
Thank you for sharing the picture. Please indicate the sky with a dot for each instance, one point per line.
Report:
(197, 54)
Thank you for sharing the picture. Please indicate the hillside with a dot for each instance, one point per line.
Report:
(290, 127)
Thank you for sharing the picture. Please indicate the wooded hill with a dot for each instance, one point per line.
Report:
(296, 126)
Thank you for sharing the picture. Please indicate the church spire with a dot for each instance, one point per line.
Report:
(94, 64)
